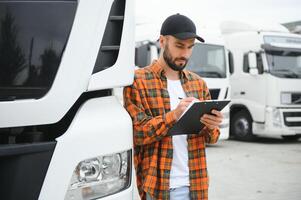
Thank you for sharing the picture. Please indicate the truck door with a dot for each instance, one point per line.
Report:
(250, 87)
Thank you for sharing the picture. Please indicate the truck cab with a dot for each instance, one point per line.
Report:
(63, 134)
(210, 61)
(265, 80)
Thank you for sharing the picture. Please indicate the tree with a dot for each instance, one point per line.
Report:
(50, 63)
(12, 59)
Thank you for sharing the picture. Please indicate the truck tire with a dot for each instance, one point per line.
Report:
(241, 126)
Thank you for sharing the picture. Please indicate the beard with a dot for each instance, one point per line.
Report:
(171, 62)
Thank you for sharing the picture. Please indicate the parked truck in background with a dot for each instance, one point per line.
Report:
(63, 135)
(265, 80)
(209, 60)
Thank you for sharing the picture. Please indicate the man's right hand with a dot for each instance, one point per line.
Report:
(182, 106)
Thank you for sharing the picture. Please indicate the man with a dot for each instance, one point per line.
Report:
(170, 167)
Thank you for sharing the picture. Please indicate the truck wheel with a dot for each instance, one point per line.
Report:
(291, 137)
(241, 126)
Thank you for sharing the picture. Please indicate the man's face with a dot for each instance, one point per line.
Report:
(176, 52)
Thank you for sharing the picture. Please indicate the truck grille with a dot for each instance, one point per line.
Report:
(292, 118)
(296, 98)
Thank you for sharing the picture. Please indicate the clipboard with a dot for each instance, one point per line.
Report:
(189, 122)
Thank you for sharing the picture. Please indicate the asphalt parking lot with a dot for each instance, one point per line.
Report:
(267, 169)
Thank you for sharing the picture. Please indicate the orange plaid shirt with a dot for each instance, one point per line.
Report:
(147, 101)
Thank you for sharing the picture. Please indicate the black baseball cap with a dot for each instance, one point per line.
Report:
(180, 27)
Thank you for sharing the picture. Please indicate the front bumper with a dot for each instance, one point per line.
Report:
(288, 122)
(126, 194)
(224, 127)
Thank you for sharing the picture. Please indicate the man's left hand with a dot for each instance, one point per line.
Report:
(213, 120)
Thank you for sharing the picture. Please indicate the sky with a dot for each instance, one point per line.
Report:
(210, 13)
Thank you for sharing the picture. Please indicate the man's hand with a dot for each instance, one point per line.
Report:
(184, 103)
(213, 120)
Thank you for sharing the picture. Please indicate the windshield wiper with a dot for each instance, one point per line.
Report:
(287, 73)
(212, 74)
(11, 93)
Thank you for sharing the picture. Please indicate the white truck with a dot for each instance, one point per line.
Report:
(63, 135)
(209, 60)
(265, 80)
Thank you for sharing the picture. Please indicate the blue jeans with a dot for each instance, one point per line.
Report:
(181, 193)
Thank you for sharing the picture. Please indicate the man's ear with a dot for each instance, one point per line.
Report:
(162, 41)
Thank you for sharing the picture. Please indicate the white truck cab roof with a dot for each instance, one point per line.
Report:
(230, 27)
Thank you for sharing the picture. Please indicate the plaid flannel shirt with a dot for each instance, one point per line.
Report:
(147, 101)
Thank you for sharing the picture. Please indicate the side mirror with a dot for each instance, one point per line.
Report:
(252, 60)
(252, 63)
(231, 62)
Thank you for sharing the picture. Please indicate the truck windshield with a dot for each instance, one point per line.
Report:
(33, 35)
(208, 61)
(284, 64)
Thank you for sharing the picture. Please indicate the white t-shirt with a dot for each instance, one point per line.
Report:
(179, 175)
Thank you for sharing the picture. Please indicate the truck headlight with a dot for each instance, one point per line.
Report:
(276, 117)
(100, 176)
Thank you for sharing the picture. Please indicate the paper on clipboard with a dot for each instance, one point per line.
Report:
(189, 121)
